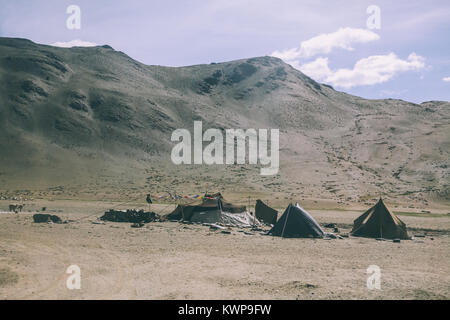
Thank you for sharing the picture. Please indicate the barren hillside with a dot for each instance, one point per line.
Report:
(93, 122)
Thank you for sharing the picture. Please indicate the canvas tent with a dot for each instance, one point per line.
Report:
(296, 222)
(379, 222)
(214, 209)
(264, 213)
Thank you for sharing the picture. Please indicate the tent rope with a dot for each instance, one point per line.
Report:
(102, 211)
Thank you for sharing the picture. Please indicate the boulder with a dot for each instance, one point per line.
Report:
(45, 218)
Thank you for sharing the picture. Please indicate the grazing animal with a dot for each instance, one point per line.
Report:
(16, 207)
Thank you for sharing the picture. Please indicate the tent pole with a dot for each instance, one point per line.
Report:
(254, 213)
(285, 221)
(220, 207)
(381, 229)
(381, 225)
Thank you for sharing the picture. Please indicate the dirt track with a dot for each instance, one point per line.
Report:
(169, 260)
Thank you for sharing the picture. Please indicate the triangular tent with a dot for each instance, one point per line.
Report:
(379, 222)
(296, 222)
(214, 209)
(265, 213)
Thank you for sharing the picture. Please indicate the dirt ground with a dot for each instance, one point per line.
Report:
(170, 260)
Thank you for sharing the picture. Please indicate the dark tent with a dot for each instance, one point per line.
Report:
(296, 222)
(216, 210)
(265, 213)
(379, 222)
(186, 209)
(210, 202)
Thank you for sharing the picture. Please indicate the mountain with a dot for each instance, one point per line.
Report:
(93, 122)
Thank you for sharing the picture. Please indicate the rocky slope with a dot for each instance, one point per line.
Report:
(93, 121)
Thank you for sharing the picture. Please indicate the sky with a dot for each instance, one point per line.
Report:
(374, 49)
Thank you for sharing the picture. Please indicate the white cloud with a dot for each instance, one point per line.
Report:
(368, 71)
(374, 70)
(317, 69)
(74, 43)
(343, 38)
(446, 79)
(287, 55)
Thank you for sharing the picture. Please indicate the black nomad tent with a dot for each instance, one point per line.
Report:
(213, 208)
(379, 222)
(296, 222)
(265, 213)
(209, 202)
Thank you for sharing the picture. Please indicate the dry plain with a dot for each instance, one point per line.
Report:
(171, 260)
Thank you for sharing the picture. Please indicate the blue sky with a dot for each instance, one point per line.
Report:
(407, 58)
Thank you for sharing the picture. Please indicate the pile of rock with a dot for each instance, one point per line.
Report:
(46, 218)
(132, 216)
